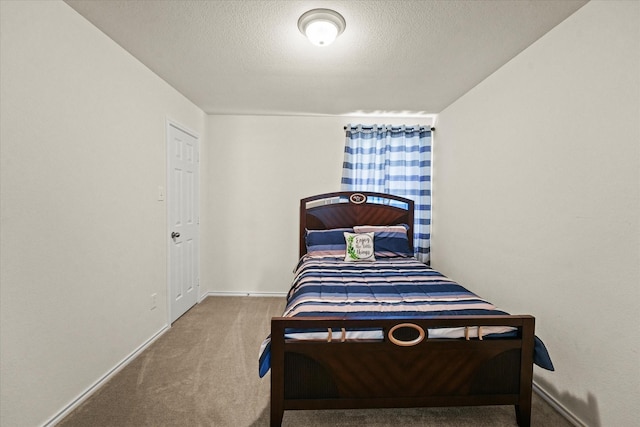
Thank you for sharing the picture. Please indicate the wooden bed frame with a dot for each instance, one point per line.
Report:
(380, 374)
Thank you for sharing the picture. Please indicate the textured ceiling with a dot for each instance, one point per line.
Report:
(248, 57)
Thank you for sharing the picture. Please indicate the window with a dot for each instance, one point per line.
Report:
(394, 160)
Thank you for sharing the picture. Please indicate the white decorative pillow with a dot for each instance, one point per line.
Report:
(359, 247)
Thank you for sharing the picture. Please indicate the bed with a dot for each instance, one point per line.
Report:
(368, 326)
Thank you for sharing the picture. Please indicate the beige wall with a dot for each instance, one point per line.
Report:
(83, 237)
(267, 163)
(536, 203)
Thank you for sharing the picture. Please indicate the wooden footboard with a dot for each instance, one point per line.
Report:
(412, 372)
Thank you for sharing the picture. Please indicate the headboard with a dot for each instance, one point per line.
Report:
(349, 208)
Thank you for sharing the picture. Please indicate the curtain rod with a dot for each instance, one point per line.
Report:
(371, 127)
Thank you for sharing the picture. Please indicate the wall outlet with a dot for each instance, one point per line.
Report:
(154, 301)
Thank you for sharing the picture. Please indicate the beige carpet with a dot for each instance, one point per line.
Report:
(204, 372)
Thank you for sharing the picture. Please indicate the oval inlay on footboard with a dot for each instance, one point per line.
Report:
(406, 334)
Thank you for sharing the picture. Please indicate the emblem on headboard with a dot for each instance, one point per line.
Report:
(357, 198)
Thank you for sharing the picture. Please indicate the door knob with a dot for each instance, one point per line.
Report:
(175, 235)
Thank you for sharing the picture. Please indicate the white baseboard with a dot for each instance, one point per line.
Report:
(570, 416)
(106, 377)
(242, 294)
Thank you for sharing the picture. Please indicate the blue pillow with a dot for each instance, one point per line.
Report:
(389, 241)
(329, 243)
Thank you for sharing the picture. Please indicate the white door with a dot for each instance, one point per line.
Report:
(183, 233)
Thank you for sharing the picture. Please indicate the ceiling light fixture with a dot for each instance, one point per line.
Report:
(321, 26)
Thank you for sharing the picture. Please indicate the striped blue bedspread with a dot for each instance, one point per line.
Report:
(385, 288)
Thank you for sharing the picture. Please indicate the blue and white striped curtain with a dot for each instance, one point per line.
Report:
(394, 160)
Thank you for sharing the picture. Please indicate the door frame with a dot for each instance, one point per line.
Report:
(172, 123)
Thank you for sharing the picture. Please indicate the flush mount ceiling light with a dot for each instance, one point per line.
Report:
(321, 26)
